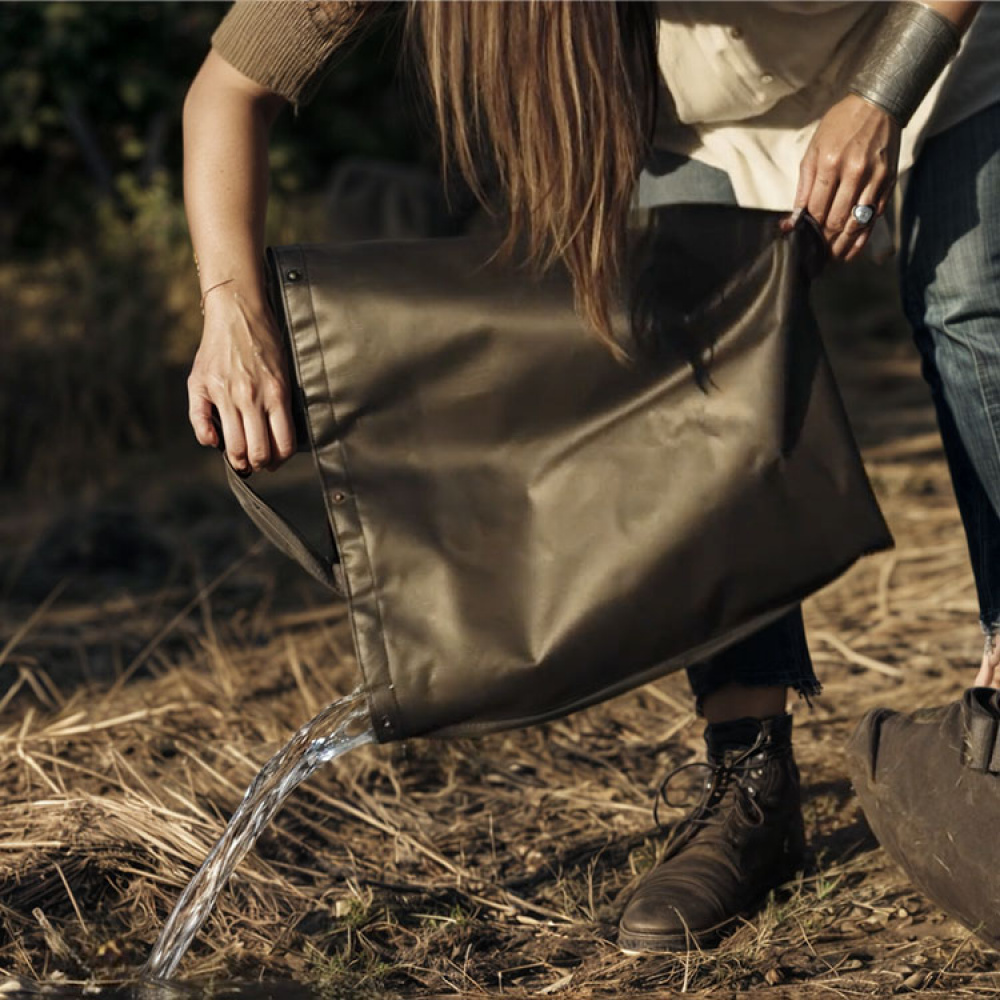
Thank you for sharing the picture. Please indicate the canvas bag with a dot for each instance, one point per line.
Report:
(521, 525)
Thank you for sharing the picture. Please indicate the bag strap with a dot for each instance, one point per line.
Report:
(278, 529)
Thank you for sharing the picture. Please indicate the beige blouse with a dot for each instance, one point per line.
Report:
(743, 85)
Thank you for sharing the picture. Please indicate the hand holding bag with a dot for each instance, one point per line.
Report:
(522, 525)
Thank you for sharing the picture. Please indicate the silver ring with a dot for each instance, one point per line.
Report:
(863, 214)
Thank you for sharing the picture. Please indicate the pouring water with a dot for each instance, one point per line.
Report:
(339, 728)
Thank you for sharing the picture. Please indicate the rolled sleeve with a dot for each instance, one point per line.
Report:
(286, 45)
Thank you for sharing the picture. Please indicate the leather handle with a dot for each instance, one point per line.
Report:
(275, 527)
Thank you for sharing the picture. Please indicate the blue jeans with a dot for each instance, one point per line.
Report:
(950, 281)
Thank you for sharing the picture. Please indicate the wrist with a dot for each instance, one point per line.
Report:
(866, 105)
(205, 292)
(910, 49)
(247, 297)
(214, 273)
(219, 281)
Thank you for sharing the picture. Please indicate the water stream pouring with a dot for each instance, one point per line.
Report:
(339, 728)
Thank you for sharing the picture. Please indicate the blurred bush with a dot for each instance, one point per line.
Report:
(84, 376)
(92, 95)
(97, 290)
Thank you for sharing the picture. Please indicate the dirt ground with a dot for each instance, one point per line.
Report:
(153, 653)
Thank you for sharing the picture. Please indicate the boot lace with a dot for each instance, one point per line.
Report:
(728, 774)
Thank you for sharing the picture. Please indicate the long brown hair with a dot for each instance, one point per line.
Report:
(560, 95)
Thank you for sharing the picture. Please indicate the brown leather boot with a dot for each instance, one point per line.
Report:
(744, 838)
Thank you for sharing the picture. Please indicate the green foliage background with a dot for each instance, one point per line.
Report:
(98, 295)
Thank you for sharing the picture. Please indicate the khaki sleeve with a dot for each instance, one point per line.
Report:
(286, 45)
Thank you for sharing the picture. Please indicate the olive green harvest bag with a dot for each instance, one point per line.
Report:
(522, 525)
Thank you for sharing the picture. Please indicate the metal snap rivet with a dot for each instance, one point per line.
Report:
(339, 497)
(293, 275)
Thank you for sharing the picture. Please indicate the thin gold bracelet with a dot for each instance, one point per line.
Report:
(204, 294)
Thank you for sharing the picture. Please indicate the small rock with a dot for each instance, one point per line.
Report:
(9, 987)
(913, 982)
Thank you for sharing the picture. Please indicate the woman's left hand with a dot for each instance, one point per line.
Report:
(852, 160)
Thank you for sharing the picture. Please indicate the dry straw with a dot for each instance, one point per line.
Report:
(467, 867)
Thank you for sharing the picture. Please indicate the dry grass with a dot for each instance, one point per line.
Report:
(464, 867)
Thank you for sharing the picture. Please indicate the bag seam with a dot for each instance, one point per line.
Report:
(390, 723)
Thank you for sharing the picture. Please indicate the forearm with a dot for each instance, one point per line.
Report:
(264, 56)
(959, 12)
(913, 44)
(227, 124)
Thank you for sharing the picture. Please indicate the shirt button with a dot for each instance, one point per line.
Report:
(736, 33)
(767, 78)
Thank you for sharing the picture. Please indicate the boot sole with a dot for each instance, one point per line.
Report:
(630, 943)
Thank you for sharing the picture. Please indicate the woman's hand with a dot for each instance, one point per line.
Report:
(241, 370)
(989, 667)
(852, 160)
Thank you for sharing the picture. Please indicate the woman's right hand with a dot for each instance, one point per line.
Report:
(241, 370)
